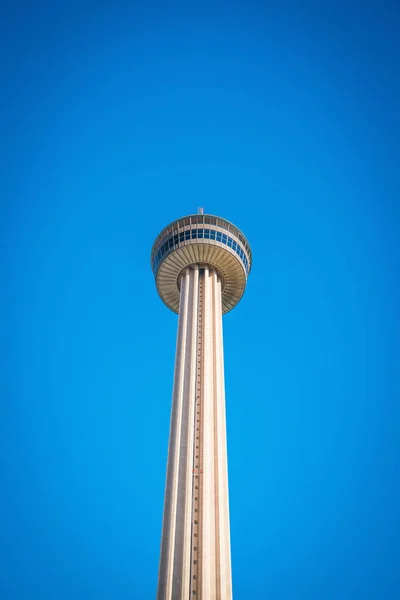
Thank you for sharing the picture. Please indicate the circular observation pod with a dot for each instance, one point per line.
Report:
(203, 240)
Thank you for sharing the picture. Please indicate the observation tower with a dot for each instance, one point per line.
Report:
(201, 264)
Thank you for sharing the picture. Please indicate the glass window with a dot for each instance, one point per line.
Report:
(230, 242)
(224, 238)
(233, 245)
(176, 238)
(194, 234)
(207, 233)
(219, 236)
(207, 220)
(238, 250)
(170, 242)
(200, 233)
(181, 236)
(212, 234)
(187, 234)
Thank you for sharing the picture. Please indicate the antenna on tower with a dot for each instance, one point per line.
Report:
(200, 210)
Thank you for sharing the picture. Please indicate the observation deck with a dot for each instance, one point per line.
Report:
(202, 240)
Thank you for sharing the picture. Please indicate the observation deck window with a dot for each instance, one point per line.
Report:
(178, 238)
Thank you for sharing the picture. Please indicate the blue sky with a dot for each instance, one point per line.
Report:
(116, 119)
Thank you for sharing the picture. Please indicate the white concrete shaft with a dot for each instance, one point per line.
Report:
(195, 557)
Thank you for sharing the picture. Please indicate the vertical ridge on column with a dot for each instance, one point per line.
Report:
(208, 513)
(223, 538)
(191, 393)
(217, 440)
(170, 502)
(195, 580)
(182, 546)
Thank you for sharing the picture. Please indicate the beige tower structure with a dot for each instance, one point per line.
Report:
(201, 264)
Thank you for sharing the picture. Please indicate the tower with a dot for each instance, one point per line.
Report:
(201, 264)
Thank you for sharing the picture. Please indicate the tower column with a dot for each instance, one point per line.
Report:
(174, 570)
(195, 547)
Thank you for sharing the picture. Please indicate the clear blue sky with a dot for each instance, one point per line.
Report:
(116, 118)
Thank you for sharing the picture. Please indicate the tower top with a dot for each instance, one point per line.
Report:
(200, 210)
(201, 240)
